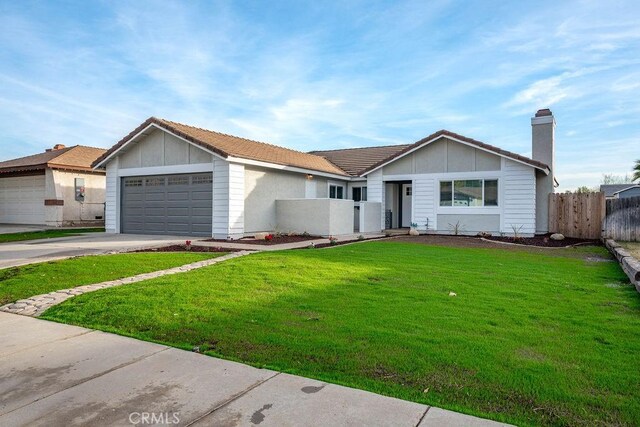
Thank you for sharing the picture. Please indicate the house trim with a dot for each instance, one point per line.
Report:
(166, 170)
(451, 138)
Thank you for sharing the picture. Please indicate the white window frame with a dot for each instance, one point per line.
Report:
(467, 208)
(336, 184)
(360, 187)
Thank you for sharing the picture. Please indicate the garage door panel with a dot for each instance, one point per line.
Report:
(171, 204)
(178, 196)
(22, 200)
(181, 212)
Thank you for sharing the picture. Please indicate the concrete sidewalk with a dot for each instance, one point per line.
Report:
(30, 251)
(54, 374)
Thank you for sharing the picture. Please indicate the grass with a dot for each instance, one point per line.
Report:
(531, 339)
(47, 234)
(632, 247)
(35, 279)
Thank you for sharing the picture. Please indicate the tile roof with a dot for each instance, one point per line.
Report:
(77, 157)
(233, 146)
(355, 160)
(470, 141)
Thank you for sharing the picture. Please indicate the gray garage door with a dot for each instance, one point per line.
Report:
(170, 204)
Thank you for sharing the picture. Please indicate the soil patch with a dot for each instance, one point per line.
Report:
(544, 241)
(277, 240)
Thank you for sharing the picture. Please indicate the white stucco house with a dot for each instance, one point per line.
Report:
(170, 178)
(55, 188)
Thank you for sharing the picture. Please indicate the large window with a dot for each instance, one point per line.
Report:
(359, 194)
(336, 191)
(469, 192)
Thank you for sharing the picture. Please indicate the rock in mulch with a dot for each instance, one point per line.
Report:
(557, 236)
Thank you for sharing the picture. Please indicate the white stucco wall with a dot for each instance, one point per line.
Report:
(370, 217)
(323, 217)
(262, 187)
(61, 186)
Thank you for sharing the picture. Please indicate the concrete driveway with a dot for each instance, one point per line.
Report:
(53, 374)
(30, 251)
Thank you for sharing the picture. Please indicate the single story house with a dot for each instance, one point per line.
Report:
(55, 188)
(620, 191)
(629, 191)
(171, 178)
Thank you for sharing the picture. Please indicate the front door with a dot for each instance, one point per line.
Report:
(405, 200)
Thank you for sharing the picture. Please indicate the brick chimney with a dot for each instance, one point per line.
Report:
(58, 146)
(543, 126)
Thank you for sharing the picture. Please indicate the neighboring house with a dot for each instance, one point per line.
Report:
(629, 191)
(170, 178)
(54, 188)
(620, 191)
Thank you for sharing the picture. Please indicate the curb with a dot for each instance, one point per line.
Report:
(629, 264)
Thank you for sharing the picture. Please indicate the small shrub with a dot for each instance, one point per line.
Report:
(305, 234)
(456, 228)
(517, 236)
(361, 237)
(187, 245)
(268, 237)
(333, 240)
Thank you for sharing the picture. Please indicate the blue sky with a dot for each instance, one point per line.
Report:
(320, 75)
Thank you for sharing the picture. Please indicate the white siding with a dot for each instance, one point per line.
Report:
(424, 202)
(518, 198)
(375, 191)
(112, 203)
(236, 200)
(228, 199)
(220, 199)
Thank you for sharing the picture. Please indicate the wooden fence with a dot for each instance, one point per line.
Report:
(622, 221)
(577, 215)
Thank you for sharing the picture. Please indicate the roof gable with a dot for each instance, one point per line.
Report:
(457, 138)
(226, 146)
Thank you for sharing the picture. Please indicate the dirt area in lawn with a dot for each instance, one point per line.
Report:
(475, 242)
(544, 240)
(632, 247)
(183, 248)
(277, 240)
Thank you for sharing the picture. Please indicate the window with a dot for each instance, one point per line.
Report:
(202, 179)
(336, 191)
(133, 182)
(408, 191)
(491, 192)
(469, 192)
(359, 194)
(154, 182)
(178, 180)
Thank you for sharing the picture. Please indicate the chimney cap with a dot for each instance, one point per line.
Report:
(544, 112)
(58, 146)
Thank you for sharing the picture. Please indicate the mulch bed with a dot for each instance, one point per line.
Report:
(545, 241)
(277, 240)
(182, 248)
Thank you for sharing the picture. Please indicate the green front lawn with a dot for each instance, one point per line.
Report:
(530, 338)
(47, 234)
(35, 279)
